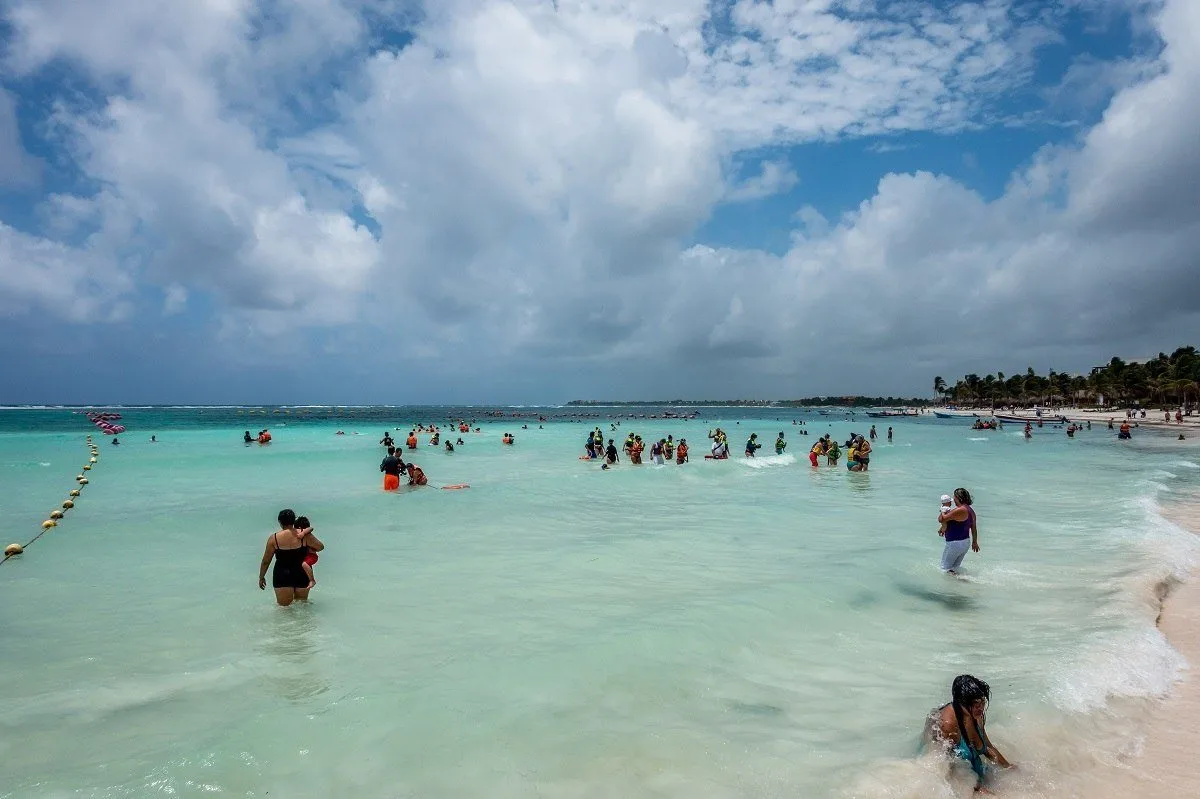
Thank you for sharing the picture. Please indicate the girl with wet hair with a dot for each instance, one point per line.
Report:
(960, 726)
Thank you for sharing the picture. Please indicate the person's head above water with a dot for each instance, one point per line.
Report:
(962, 496)
(970, 693)
(302, 523)
(287, 518)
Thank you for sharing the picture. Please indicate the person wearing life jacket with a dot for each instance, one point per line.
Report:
(508, 438)
(416, 477)
(264, 437)
(832, 452)
(433, 442)
(864, 454)
(720, 450)
(629, 442)
(681, 451)
(752, 445)
(1124, 431)
(635, 452)
(780, 444)
(852, 457)
(669, 448)
(411, 443)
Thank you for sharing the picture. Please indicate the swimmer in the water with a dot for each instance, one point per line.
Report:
(610, 454)
(681, 452)
(248, 438)
(752, 445)
(416, 477)
(959, 728)
(780, 444)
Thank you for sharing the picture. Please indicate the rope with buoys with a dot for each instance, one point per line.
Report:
(12, 550)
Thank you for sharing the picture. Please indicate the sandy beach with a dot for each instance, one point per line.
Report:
(1167, 765)
(1154, 417)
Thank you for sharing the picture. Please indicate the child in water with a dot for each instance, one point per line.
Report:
(946, 506)
(303, 528)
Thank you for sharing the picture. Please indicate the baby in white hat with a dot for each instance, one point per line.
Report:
(947, 505)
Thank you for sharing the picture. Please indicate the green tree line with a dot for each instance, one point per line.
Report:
(1168, 379)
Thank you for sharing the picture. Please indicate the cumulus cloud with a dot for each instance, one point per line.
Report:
(521, 182)
(774, 177)
(17, 168)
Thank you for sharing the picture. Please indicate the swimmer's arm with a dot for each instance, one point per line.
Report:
(268, 554)
(974, 533)
(312, 542)
(992, 752)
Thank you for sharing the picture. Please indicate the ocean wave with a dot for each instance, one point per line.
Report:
(1098, 697)
(768, 461)
(97, 701)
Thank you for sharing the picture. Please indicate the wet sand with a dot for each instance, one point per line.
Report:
(1168, 766)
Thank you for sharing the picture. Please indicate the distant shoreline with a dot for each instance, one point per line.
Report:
(807, 402)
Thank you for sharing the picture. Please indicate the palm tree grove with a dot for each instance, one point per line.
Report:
(1167, 379)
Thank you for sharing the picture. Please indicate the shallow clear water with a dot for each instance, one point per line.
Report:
(723, 629)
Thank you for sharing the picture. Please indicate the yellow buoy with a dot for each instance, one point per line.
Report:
(46, 525)
(68, 504)
(75, 492)
(83, 482)
(13, 549)
(56, 514)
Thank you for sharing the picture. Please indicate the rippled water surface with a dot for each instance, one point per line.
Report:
(720, 629)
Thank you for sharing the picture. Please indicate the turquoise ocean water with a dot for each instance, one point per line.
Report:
(721, 629)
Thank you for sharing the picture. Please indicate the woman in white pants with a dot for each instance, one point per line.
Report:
(962, 531)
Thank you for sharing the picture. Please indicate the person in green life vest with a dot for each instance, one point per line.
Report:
(833, 453)
(780, 445)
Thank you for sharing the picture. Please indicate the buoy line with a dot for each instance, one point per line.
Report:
(81, 480)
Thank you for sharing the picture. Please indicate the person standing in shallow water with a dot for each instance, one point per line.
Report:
(961, 533)
(287, 548)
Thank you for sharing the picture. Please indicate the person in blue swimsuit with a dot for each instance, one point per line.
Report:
(959, 727)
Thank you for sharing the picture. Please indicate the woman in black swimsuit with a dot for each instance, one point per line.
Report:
(288, 548)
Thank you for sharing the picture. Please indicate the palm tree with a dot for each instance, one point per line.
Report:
(939, 386)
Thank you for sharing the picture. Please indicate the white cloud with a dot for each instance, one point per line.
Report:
(47, 278)
(774, 177)
(534, 171)
(17, 167)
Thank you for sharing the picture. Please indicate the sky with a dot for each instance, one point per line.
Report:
(533, 201)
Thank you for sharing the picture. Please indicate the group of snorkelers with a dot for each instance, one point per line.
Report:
(661, 451)
(858, 452)
(665, 449)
